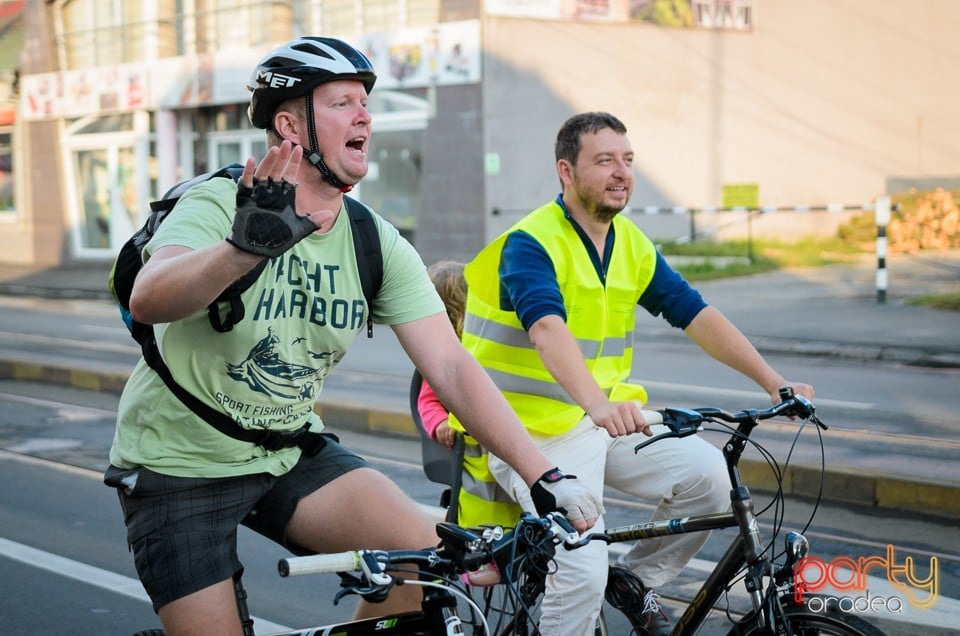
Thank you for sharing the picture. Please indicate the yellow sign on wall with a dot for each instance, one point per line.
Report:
(741, 195)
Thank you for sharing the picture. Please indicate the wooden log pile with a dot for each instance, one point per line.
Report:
(932, 223)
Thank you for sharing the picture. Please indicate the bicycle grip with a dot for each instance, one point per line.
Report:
(652, 417)
(320, 564)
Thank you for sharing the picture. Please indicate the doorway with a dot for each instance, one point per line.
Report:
(109, 179)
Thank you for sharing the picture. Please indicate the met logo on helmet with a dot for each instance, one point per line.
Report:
(276, 80)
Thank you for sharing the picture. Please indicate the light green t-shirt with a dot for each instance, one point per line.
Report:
(302, 314)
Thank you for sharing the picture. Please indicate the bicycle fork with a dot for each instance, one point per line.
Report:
(442, 607)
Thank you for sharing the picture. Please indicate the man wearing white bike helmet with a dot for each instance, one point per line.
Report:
(185, 486)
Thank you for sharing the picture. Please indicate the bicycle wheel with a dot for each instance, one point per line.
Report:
(522, 619)
(801, 621)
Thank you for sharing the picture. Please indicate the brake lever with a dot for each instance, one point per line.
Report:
(562, 529)
(680, 422)
(651, 440)
(586, 539)
(352, 584)
(811, 411)
(373, 594)
(816, 420)
(804, 408)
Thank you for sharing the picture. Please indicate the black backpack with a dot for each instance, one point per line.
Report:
(227, 310)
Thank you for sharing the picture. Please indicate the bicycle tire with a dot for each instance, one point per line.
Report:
(531, 593)
(801, 621)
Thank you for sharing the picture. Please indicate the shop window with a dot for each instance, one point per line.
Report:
(230, 138)
(392, 185)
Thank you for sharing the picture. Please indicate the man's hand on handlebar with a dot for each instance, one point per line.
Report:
(798, 388)
(789, 389)
(565, 493)
(620, 418)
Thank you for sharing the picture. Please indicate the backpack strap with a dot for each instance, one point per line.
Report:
(223, 322)
(309, 442)
(366, 244)
(161, 207)
(231, 297)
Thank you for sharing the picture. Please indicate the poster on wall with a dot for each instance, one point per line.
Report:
(444, 55)
(735, 15)
(78, 93)
(608, 10)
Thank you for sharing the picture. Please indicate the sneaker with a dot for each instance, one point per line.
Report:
(640, 604)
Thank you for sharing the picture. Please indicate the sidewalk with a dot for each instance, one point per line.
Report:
(825, 312)
(829, 311)
(834, 311)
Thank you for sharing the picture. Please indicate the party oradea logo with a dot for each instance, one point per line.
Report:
(849, 577)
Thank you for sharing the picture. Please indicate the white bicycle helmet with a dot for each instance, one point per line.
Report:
(296, 68)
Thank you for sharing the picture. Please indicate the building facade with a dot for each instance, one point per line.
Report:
(806, 102)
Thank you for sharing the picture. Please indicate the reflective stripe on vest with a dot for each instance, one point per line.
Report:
(516, 337)
(481, 500)
(600, 315)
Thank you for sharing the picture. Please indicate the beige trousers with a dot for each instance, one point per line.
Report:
(685, 476)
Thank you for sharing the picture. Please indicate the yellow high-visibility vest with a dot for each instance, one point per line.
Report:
(600, 315)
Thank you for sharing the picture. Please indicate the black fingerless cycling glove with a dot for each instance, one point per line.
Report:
(266, 222)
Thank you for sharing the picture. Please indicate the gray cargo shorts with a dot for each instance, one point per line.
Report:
(183, 530)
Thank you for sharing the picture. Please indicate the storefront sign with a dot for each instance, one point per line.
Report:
(444, 55)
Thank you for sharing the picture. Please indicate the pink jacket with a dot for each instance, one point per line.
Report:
(431, 410)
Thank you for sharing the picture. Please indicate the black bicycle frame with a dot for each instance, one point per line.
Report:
(745, 549)
(413, 623)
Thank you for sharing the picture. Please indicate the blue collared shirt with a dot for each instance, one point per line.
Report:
(528, 281)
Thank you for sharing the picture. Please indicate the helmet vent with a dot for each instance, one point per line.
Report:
(307, 47)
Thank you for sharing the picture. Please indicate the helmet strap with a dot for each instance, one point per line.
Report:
(313, 155)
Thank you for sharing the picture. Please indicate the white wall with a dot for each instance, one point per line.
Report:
(821, 103)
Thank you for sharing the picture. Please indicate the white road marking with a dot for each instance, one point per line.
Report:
(90, 575)
(942, 614)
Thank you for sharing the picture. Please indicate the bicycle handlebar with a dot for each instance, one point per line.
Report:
(321, 563)
(461, 550)
(684, 422)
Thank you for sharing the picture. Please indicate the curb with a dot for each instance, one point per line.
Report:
(840, 485)
(864, 352)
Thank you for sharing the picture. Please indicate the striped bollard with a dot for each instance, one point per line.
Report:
(882, 215)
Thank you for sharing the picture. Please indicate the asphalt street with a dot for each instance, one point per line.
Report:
(827, 313)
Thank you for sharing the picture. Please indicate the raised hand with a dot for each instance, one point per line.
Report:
(266, 222)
